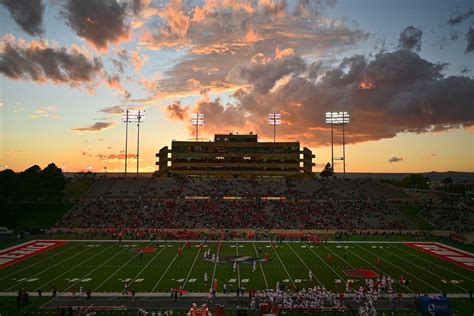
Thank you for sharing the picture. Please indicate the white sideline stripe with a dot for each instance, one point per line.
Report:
(81, 263)
(193, 294)
(261, 268)
(289, 276)
(164, 273)
(427, 270)
(314, 274)
(244, 241)
(395, 280)
(37, 263)
(123, 265)
(398, 268)
(48, 268)
(192, 267)
(437, 264)
(148, 264)
(96, 268)
(316, 254)
(238, 265)
(215, 263)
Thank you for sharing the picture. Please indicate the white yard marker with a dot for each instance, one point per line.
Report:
(316, 254)
(215, 263)
(169, 266)
(148, 264)
(48, 268)
(77, 265)
(404, 271)
(287, 273)
(191, 269)
(238, 265)
(309, 269)
(261, 268)
(121, 267)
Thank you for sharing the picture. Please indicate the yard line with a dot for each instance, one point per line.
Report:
(37, 263)
(81, 263)
(427, 270)
(238, 265)
(191, 269)
(426, 260)
(123, 266)
(289, 276)
(42, 271)
(149, 262)
(378, 269)
(96, 268)
(314, 274)
(169, 266)
(215, 264)
(261, 268)
(414, 276)
(316, 254)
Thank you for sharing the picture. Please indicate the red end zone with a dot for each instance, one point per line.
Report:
(24, 251)
(446, 253)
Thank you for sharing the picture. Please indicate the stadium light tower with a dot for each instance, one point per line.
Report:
(126, 119)
(130, 116)
(338, 118)
(274, 119)
(197, 119)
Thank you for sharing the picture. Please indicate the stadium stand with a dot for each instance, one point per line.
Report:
(449, 216)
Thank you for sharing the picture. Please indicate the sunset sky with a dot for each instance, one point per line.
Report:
(403, 69)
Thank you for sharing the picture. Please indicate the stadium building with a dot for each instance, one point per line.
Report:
(235, 155)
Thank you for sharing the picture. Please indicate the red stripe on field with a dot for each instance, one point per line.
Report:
(433, 248)
(25, 251)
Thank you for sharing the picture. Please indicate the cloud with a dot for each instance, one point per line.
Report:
(116, 110)
(176, 111)
(138, 60)
(459, 18)
(395, 159)
(410, 38)
(96, 127)
(388, 94)
(42, 62)
(113, 158)
(44, 112)
(28, 14)
(264, 76)
(217, 36)
(100, 22)
(470, 40)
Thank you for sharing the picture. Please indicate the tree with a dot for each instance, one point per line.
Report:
(53, 181)
(447, 180)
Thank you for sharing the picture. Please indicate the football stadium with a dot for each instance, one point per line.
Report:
(251, 157)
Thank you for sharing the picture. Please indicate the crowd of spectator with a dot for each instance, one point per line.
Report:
(454, 216)
(233, 214)
(321, 189)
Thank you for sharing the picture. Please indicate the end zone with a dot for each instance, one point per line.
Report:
(447, 253)
(26, 250)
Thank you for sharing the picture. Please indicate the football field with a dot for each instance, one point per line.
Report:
(151, 268)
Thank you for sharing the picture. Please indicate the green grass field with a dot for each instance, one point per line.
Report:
(103, 266)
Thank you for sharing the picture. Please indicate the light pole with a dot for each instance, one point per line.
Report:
(197, 119)
(274, 119)
(130, 116)
(338, 118)
(126, 120)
